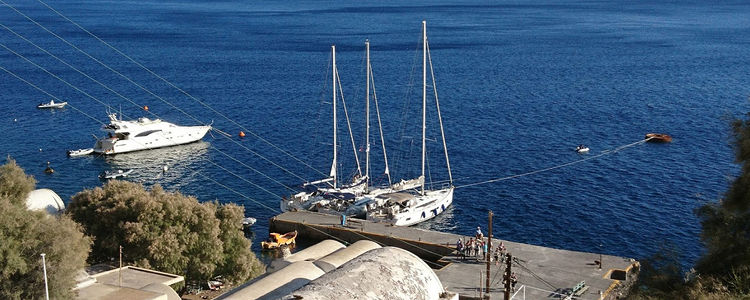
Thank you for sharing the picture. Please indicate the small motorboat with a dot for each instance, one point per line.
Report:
(582, 149)
(52, 104)
(276, 240)
(658, 138)
(247, 222)
(215, 284)
(115, 174)
(80, 152)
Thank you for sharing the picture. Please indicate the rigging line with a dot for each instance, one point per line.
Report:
(606, 152)
(147, 90)
(380, 124)
(400, 159)
(349, 124)
(440, 118)
(317, 128)
(181, 90)
(208, 177)
(96, 99)
(122, 96)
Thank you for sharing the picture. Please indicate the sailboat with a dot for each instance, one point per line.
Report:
(334, 196)
(412, 203)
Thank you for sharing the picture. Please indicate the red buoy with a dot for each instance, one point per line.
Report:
(242, 134)
(145, 107)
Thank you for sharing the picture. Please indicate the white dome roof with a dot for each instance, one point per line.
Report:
(381, 273)
(45, 199)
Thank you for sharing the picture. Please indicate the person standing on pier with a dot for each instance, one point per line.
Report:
(479, 234)
(460, 248)
(476, 248)
(485, 251)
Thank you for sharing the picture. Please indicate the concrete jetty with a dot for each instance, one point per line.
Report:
(543, 273)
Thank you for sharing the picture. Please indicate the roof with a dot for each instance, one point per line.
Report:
(46, 200)
(136, 284)
(380, 273)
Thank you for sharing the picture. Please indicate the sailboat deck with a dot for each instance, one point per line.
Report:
(544, 271)
(396, 197)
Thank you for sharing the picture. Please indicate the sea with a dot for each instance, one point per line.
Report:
(520, 84)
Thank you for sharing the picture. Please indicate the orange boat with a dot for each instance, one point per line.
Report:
(276, 240)
(658, 138)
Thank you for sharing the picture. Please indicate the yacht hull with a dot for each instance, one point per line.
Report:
(178, 136)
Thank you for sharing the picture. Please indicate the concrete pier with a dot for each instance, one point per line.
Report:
(543, 273)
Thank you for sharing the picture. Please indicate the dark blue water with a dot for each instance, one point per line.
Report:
(520, 84)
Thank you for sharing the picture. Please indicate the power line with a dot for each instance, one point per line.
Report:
(76, 88)
(179, 89)
(276, 211)
(142, 87)
(116, 93)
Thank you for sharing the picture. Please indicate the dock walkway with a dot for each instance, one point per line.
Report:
(543, 273)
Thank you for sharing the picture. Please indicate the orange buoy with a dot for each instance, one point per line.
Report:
(145, 107)
(242, 134)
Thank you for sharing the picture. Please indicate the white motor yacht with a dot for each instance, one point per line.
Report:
(142, 134)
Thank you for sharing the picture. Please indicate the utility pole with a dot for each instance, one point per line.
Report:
(119, 272)
(480, 284)
(44, 267)
(488, 254)
(508, 259)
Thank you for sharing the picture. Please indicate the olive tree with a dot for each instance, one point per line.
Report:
(25, 235)
(166, 231)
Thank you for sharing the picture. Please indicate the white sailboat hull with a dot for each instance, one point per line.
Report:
(424, 208)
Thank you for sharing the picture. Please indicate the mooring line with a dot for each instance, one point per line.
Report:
(605, 152)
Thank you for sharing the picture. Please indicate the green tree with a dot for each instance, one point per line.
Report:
(166, 231)
(25, 234)
(726, 225)
(16, 185)
(723, 272)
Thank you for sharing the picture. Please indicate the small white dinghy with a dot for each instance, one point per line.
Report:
(249, 221)
(114, 174)
(582, 149)
(80, 152)
(52, 104)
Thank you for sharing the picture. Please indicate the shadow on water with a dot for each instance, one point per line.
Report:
(170, 166)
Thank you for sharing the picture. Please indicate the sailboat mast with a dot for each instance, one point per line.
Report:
(367, 119)
(440, 118)
(424, 94)
(335, 129)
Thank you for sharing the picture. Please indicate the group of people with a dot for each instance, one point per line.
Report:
(477, 247)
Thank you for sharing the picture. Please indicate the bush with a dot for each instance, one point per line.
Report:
(165, 231)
